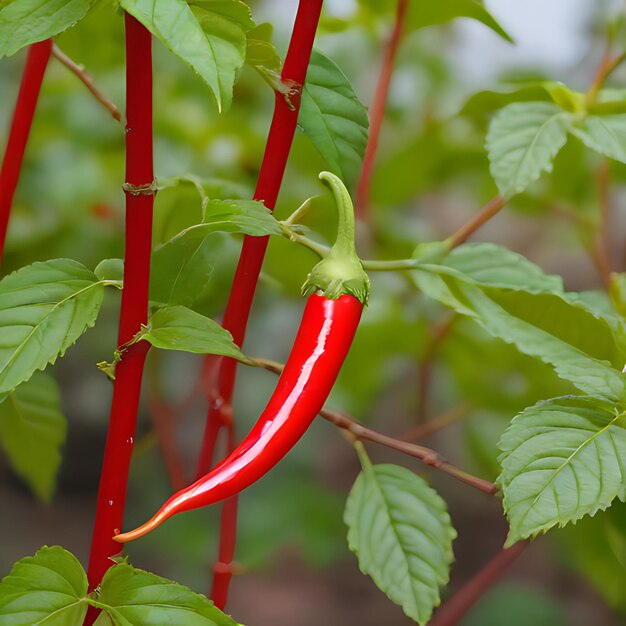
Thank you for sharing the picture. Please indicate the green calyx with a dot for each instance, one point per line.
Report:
(340, 272)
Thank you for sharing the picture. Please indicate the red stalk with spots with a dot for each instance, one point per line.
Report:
(134, 307)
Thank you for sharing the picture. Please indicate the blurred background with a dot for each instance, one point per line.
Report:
(431, 176)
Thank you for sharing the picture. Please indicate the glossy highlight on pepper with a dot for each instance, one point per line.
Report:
(337, 289)
(325, 335)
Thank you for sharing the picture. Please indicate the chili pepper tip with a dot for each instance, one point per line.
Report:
(140, 531)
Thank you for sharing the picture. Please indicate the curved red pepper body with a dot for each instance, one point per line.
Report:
(320, 348)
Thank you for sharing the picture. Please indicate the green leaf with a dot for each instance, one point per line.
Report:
(522, 141)
(604, 134)
(479, 106)
(333, 117)
(561, 459)
(23, 22)
(401, 532)
(32, 430)
(44, 309)
(260, 51)
(209, 37)
(250, 217)
(133, 597)
(111, 270)
(423, 14)
(496, 266)
(48, 588)
(182, 266)
(579, 345)
(179, 328)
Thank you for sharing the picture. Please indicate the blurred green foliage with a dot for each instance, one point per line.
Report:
(432, 173)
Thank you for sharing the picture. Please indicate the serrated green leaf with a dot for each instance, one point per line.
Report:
(605, 134)
(522, 141)
(236, 11)
(44, 309)
(579, 345)
(209, 37)
(561, 459)
(496, 266)
(32, 430)
(333, 117)
(180, 328)
(23, 22)
(48, 588)
(136, 598)
(401, 532)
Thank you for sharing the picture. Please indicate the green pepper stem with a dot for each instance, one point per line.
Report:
(340, 272)
(344, 244)
(370, 265)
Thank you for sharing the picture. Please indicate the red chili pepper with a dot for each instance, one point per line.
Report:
(328, 326)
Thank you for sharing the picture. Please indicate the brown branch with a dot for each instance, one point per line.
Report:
(601, 247)
(490, 209)
(438, 423)
(362, 433)
(439, 333)
(608, 65)
(163, 419)
(377, 112)
(87, 80)
(455, 609)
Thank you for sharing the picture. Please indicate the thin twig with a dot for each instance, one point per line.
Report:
(163, 419)
(439, 334)
(601, 250)
(87, 80)
(490, 209)
(377, 111)
(455, 609)
(608, 65)
(428, 456)
(438, 422)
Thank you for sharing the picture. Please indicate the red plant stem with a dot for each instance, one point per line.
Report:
(377, 112)
(36, 63)
(279, 142)
(280, 138)
(440, 333)
(223, 568)
(164, 418)
(134, 307)
(455, 609)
